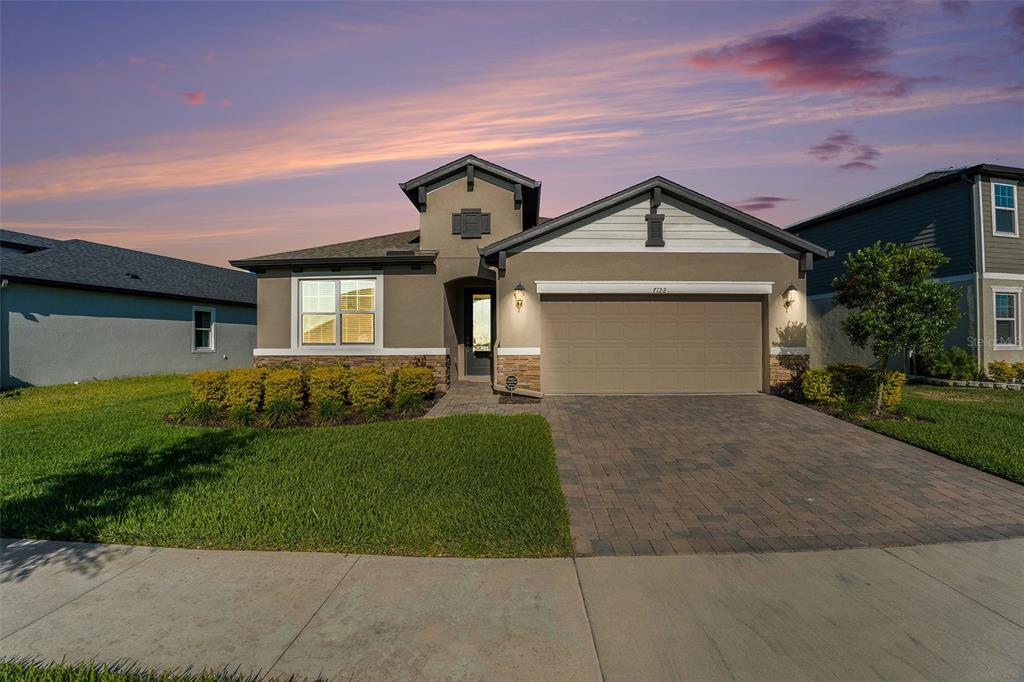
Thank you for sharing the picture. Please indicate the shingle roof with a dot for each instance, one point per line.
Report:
(920, 183)
(388, 246)
(78, 263)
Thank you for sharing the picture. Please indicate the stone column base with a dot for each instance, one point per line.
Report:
(526, 368)
(440, 364)
(785, 370)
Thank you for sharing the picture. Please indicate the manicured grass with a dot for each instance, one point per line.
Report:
(32, 671)
(980, 427)
(95, 462)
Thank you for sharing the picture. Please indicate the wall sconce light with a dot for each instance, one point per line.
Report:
(520, 295)
(789, 295)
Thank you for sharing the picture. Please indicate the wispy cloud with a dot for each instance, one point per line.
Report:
(1015, 20)
(193, 98)
(842, 145)
(831, 53)
(760, 203)
(955, 7)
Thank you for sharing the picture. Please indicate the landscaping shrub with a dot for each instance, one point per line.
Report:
(208, 386)
(952, 363)
(244, 386)
(329, 412)
(241, 415)
(415, 380)
(408, 403)
(1002, 371)
(817, 386)
(1018, 371)
(283, 383)
(851, 388)
(328, 383)
(281, 412)
(197, 413)
(369, 391)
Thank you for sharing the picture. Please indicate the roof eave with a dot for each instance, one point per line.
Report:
(254, 264)
(120, 290)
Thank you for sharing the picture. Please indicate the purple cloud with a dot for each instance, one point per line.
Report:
(841, 145)
(1015, 20)
(956, 7)
(760, 203)
(828, 54)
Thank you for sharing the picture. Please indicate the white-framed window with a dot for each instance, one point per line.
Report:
(204, 322)
(338, 311)
(1004, 209)
(1006, 302)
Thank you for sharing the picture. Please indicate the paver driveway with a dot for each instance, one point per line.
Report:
(697, 474)
(703, 474)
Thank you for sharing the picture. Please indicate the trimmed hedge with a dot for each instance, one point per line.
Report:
(328, 383)
(284, 384)
(417, 381)
(208, 387)
(1005, 372)
(852, 388)
(370, 389)
(244, 386)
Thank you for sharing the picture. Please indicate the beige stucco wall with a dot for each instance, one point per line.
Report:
(273, 309)
(522, 328)
(436, 221)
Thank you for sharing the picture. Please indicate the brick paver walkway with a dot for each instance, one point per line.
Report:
(702, 474)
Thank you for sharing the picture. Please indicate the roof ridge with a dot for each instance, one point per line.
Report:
(148, 254)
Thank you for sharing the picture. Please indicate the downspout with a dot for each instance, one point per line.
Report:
(979, 264)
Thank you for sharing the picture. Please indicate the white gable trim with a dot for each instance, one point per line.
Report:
(686, 229)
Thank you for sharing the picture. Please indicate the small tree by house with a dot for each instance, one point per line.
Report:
(894, 303)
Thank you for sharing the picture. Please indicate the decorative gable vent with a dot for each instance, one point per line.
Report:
(471, 223)
(655, 221)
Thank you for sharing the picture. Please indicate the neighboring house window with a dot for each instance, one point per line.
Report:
(203, 320)
(1004, 209)
(1007, 304)
(338, 310)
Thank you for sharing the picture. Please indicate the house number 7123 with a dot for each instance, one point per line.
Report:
(660, 290)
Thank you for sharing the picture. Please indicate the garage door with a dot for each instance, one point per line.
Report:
(667, 344)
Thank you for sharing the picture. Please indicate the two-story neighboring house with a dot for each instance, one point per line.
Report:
(653, 289)
(972, 215)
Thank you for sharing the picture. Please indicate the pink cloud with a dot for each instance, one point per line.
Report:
(225, 103)
(831, 53)
(193, 98)
(841, 145)
(211, 57)
(136, 60)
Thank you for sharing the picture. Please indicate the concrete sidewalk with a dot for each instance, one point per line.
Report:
(951, 611)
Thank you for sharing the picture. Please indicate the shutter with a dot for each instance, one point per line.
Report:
(485, 223)
(456, 223)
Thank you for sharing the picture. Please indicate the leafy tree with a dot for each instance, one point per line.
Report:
(894, 303)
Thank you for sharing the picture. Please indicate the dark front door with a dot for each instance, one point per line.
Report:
(479, 332)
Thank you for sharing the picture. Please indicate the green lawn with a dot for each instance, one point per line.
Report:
(980, 427)
(34, 671)
(95, 462)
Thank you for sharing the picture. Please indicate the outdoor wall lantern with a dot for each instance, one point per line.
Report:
(789, 295)
(520, 295)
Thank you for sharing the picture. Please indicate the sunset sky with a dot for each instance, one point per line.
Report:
(225, 130)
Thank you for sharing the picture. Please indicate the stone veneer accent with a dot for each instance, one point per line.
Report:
(441, 364)
(785, 369)
(525, 367)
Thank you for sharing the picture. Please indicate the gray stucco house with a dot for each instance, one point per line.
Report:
(652, 289)
(971, 214)
(75, 310)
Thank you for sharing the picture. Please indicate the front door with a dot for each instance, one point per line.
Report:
(479, 332)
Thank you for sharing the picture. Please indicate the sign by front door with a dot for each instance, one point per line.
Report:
(511, 381)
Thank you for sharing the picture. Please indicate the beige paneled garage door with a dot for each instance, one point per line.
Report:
(667, 344)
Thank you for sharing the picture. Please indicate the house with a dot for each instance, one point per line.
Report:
(75, 310)
(653, 289)
(972, 215)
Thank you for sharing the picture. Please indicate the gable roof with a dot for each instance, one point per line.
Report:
(921, 183)
(398, 247)
(457, 168)
(82, 264)
(669, 188)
